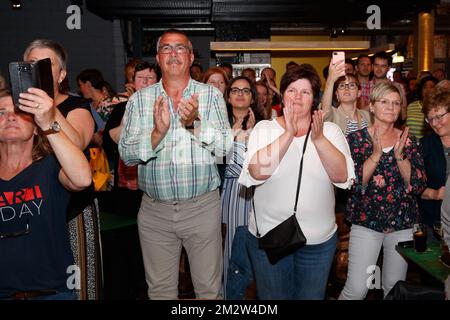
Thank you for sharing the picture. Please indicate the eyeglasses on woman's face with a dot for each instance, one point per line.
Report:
(351, 86)
(244, 91)
(437, 118)
(385, 103)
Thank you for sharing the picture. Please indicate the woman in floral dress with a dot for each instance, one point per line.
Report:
(382, 207)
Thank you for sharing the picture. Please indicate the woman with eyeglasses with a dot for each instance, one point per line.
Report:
(382, 206)
(415, 118)
(39, 165)
(241, 101)
(436, 155)
(271, 165)
(345, 90)
(340, 104)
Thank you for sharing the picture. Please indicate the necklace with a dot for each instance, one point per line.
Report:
(346, 114)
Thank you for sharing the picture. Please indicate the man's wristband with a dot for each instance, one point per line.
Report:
(193, 125)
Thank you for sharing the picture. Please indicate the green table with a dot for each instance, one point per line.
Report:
(428, 260)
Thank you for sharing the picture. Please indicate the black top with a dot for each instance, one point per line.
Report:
(72, 103)
(110, 147)
(435, 167)
(37, 260)
(78, 200)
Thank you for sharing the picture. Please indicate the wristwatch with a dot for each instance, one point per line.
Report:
(54, 128)
(195, 124)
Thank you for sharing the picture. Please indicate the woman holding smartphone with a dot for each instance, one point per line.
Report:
(345, 90)
(74, 117)
(40, 165)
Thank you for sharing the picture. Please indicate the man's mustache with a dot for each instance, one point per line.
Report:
(173, 60)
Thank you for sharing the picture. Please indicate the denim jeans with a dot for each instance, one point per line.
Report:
(240, 273)
(302, 275)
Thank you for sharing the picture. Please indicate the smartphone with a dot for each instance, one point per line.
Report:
(337, 56)
(24, 75)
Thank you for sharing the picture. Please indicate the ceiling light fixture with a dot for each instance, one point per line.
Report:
(269, 46)
(16, 4)
(335, 31)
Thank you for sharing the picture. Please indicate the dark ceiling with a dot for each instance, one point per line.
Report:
(284, 16)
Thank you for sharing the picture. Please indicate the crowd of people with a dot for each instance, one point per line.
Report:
(208, 162)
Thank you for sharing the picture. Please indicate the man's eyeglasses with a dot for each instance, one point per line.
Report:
(435, 118)
(385, 103)
(236, 91)
(179, 49)
(351, 86)
(15, 233)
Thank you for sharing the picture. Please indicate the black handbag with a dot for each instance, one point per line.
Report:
(287, 237)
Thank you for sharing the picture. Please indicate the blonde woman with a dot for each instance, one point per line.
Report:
(383, 205)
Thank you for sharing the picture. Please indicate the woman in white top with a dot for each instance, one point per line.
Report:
(272, 165)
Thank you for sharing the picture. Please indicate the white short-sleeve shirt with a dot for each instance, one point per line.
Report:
(274, 197)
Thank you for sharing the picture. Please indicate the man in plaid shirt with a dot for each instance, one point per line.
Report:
(174, 130)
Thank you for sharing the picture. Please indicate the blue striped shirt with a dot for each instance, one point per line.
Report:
(182, 166)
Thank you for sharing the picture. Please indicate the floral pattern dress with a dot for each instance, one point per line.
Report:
(105, 107)
(385, 204)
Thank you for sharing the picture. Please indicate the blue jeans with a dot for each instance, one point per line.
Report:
(240, 273)
(302, 275)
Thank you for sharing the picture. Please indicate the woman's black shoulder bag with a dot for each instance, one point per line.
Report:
(287, 237)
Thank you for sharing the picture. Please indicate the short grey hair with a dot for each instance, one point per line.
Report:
(173, 31)
(58, 49)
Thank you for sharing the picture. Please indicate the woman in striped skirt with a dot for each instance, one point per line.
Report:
(236, 199)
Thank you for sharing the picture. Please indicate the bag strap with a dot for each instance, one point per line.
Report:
(298, 184)
(300, 171)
